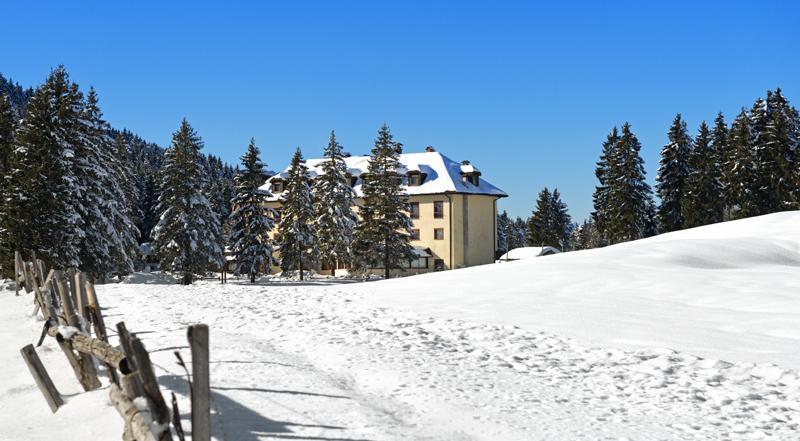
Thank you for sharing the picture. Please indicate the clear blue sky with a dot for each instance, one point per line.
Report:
(526, 90)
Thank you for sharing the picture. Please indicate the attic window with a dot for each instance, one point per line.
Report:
(475, 179)
(415, 178)
(353, 180)
(470, 174)
(277, 186)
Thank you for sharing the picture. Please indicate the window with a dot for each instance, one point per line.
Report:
(414, 180)
(413, 210)
(475, 179)
(438, 233)
(438, 209)
(277, 186)
(414, 234)
(419, 263)
(353, 180)
(438, 265)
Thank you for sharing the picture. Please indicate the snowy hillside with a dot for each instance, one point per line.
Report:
(729, 291)
(439, 357)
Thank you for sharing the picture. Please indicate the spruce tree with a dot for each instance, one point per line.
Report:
(7, 127)
(382, 237)
(298, 240)
(549, 225)
(333, 205)
(109, 240)
(701, 203)
(539, 224)
(502, 236)
(186, 238)
(630, 200)
(763, 200)
(41, 212)
(672, 174)
(605, 178)
(782, 161)
(251, 222)
(740, 172)
(520, 233)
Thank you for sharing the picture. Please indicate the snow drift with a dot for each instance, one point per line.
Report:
(728, 291)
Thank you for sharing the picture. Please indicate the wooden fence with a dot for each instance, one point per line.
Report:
(72, 314)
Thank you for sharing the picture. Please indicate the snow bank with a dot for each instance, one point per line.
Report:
(729, 291)
(528, 253)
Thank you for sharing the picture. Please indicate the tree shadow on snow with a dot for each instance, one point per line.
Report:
(240, 423)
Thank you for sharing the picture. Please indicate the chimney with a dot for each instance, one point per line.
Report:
(430, 149)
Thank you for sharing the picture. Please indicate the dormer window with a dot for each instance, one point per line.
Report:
(470, 174)
(277, 186)
(415, 178)
(352, 179)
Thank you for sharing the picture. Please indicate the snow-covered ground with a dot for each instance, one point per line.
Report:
(571, 346)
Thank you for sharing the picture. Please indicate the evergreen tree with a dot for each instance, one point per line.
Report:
(251, 222)
(603, 172)
(7, 127)
(781, 143)
(186, 238)
(520, 233)
(108, 240)
(701, 203)
(672, 175)
(549, 223)
(739, 170)
(333, 204)
(630, 201)
(298, 241)
(502, 236)
(382, 237)
(763, 200)
(41, 209)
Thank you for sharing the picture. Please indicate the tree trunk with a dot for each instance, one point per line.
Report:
(300, 264)
(333, 268)
(252, 277)
(187, 279)
(386, 258)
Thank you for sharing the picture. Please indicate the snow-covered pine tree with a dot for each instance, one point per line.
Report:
(630, 199)
(782, 161)
(550, 223)
(333, 206)
(7, 127)
(721, 148)
(604, 174)
(701, 202)
(561, 223)
(186, 238)
(519, 233)
(763, 199)
(109, 237)
(251, 221)
(382, 237)
(298, 240)
(739, 170)
(539, 224)
(43, 193)
(502, 236)
(672, 173)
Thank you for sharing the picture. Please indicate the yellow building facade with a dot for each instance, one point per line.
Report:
(453, 210)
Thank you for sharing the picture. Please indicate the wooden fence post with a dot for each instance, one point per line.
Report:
(201, 393)
(79, 294)
(86, 370)
(144, 367)
(41, 377)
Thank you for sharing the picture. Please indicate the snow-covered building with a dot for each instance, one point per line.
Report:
(453, 209)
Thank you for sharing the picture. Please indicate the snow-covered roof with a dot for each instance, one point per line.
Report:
(442, 175)
(529, 252)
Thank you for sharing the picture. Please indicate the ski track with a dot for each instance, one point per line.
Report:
(314, 362)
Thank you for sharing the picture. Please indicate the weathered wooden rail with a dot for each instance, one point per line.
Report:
(69, 306)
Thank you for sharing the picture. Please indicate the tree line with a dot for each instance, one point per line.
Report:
(725, 172)
(317, 223)
(75, 190)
